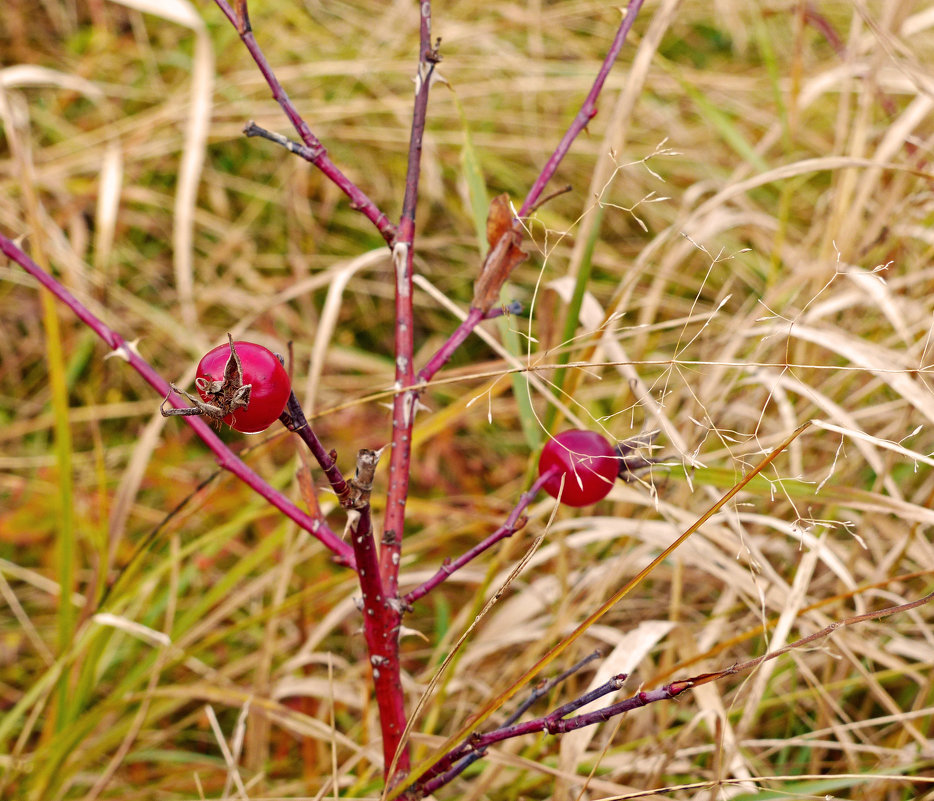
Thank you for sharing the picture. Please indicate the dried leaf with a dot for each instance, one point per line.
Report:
(306, 486)
(505, 253)
(499, 219)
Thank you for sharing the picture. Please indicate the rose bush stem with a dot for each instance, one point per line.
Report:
(465, 762)
(293, 418)
(513, 524)
(225, 457)
(381, 616)
(316, 152)
(444, 353)
(542, 689)
(554, 723)
(388, 680)
(405, 403)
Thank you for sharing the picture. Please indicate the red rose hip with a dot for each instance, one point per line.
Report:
(263, 389)
(241, 383)
(586, 460)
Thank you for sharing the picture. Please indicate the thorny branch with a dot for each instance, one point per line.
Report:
(587, 112)
(558, 722)
(389, 695)
(313, 151)
(225, 457)
(405, 403)
(380, 615)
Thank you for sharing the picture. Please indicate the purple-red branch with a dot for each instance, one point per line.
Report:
(542, 689)
(389, 696)
(464, 330)
(316, 154)
(405, 403)
(293, 418)
(381, 619)
(555, 722)
(513, 523)
(545, 687)
(225, 457)
(441, 358)
(587, 112)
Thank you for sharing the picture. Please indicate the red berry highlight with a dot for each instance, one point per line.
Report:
(254, 409)
(588, 463)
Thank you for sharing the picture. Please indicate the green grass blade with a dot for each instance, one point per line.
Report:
(479, 208)
(65, 535)
(719, 119)
(764, 42)
(476, 187)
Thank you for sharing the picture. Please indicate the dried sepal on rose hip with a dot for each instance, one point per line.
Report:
(241, 384)
(632, 463)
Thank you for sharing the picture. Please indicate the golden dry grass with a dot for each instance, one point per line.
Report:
(753, 207)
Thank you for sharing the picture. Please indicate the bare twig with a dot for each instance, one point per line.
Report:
(587, 111)
(315, 152)
(441, 358)
(513, 523)
(542, 689)
(389, 682)
(293, 418)
(405, 403)
(477, 745)
(380, 614)
(558, 722)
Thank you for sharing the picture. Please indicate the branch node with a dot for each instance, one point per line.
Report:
(361, 485)
(243, 18)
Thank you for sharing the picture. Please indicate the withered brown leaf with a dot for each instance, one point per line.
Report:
(505, 253)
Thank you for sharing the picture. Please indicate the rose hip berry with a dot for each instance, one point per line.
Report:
(586, 460)
(241, 384)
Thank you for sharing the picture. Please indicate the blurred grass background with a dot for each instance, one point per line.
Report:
(750, 217)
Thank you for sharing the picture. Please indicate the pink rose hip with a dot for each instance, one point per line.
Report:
(586, 460)
(241, 384)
